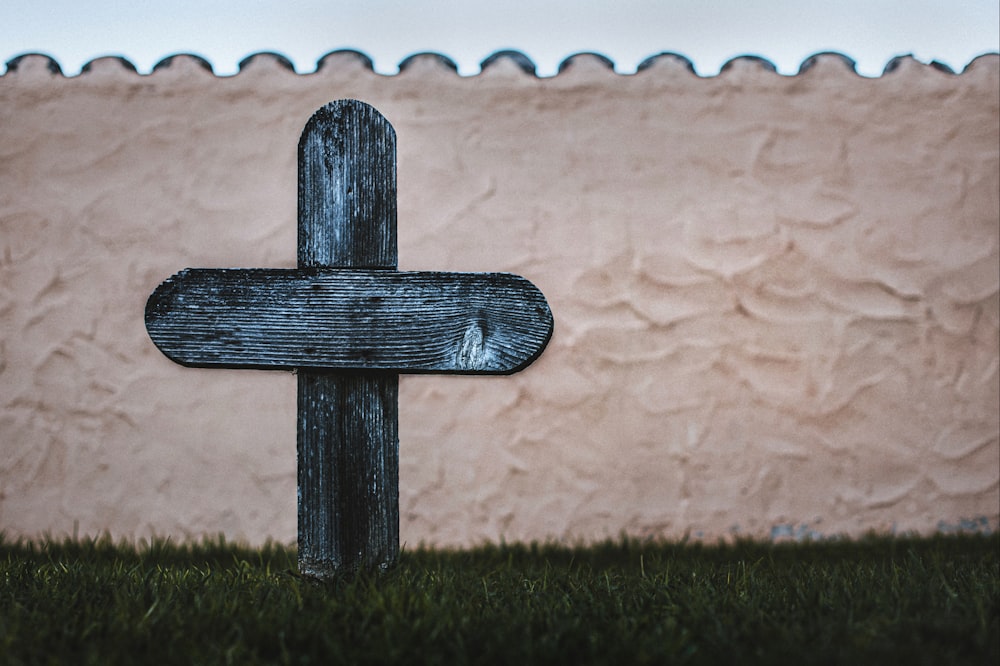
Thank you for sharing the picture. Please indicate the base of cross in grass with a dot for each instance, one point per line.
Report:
(348, 323)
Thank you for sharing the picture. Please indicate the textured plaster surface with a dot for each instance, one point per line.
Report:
(775, 298)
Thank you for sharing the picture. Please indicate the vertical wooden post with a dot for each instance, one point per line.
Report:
(348, 441)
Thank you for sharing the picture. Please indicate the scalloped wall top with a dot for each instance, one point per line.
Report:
(519, 59)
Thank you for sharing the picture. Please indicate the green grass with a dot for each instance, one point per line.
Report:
(873, 601)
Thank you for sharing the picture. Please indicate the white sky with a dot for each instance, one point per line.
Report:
(627, 31)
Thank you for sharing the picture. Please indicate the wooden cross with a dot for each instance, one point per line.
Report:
(348, 322)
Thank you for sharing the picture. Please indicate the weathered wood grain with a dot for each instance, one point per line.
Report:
(348, 425)
(347, 189)
(482, 323)
(348, 472)
(349, 323)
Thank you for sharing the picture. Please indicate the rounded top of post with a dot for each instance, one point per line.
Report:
(347, 188)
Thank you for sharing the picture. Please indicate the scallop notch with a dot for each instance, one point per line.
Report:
(815, 58)
(523, 62)
(166, 62)
(602, 59)
(439, 58)
(14, 63)
(942, 67)
(897, 62)
(358, 56)
(666, 57)
(267, 55)
(124, 62)
(763, 63)
(980, 59)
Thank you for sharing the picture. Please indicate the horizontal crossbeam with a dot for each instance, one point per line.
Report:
(345, 319)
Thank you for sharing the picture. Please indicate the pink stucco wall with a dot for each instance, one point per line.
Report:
(775, 298)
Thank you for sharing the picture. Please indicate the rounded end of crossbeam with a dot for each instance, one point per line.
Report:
(509, 336)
